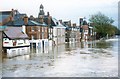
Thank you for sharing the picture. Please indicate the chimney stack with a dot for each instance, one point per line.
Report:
(25, 20)
(12, 15)
(48, 14)
(31, 17)
(60, 21)
(70, 23)
(49, 19)
(74, 25)
(81, 21)
(13, 12)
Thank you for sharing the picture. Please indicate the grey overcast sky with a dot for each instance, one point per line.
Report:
(64, 9)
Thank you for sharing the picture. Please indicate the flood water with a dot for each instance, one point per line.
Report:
(84, 59)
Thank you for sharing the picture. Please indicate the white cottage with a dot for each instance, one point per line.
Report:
(15, 37)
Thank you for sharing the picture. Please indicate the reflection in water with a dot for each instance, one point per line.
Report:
(103, 44)
(13, 52)
(91, 59)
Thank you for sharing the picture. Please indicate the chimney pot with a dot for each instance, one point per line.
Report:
(70, 23)
(80, 21)
(60, 21)
(48, 14)
(74, 25)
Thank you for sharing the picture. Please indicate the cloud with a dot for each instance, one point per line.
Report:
(66, 9)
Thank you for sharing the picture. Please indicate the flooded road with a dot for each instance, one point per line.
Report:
(84, 59)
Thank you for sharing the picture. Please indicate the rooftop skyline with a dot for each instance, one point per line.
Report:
(65, 9)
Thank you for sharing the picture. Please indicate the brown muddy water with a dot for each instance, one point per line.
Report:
(84, 59)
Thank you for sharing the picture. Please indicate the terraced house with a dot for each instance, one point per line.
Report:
(37, 32)
(45, 30)
(55, 28)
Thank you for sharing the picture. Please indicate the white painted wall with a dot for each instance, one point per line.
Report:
(59, 35)
(9, 43)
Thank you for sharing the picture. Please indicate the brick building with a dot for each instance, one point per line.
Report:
(56, 31)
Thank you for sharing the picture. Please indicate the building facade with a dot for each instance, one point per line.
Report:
(14, 37)
(56, 31)
(37, 32)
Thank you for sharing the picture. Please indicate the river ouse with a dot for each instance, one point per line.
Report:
(43, 46)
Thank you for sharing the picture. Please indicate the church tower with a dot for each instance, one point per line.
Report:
(41, 12)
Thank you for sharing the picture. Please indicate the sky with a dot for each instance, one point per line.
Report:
(65, 9)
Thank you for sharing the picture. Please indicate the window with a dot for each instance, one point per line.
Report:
(32, 28)
(86, 31)
(39, 29)
(5, 39)
(32, 37)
